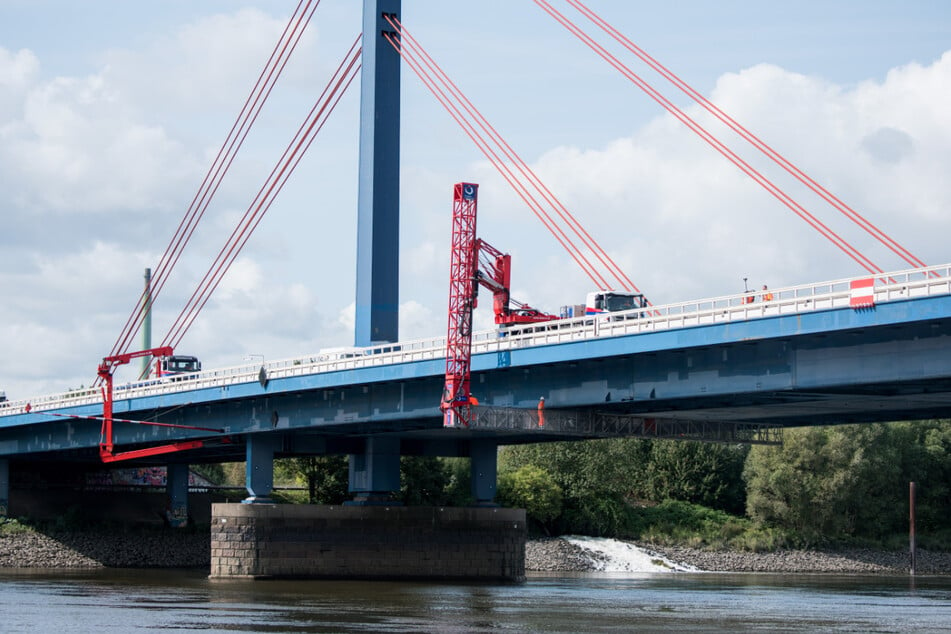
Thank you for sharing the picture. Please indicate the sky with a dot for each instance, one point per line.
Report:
(111, 112)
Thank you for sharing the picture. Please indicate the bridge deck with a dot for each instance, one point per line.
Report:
(796, 300)
(722, 367)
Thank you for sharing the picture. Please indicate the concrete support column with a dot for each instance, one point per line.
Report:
(259, 469)
(176, 490)
(483, 455)
(4, 487)
(375, 474)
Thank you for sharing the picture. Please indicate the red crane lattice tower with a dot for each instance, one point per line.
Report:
(457, 402)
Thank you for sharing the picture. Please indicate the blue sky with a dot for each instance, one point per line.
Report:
(110, 113)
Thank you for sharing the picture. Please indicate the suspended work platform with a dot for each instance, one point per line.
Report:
(580, 423)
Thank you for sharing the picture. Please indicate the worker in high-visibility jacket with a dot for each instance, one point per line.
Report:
(541, 412)
(767, 296)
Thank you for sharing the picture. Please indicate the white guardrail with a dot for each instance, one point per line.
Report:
(935, 280)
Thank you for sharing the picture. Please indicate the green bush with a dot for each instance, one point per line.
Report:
(533, 489)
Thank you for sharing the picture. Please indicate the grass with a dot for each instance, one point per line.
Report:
(673, 523)
(12, 526)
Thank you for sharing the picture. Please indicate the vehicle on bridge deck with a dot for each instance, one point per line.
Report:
(600, 302)
(178, 364)
(340, 352)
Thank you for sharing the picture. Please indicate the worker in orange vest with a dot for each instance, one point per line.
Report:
(541, 412)
(767, 296)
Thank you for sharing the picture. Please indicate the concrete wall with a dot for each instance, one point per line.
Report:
(369, 542)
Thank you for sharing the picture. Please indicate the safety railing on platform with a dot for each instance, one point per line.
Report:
(589, 423)
(886, 287)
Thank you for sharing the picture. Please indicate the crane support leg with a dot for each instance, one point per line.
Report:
(463, 266)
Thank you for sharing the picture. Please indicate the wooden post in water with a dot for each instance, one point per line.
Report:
(911, 527)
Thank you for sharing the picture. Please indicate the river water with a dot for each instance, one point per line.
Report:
(186, 600)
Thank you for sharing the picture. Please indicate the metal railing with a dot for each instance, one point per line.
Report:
(900, 285)
(587, 423)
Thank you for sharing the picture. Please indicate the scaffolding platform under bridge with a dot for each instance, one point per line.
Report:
(569, 423)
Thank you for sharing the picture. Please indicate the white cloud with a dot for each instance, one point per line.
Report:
(17, 72)
(686, 223)
(97, 166)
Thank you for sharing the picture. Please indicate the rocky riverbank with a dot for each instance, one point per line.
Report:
(154, 548)
(560, 555)
(140, 548)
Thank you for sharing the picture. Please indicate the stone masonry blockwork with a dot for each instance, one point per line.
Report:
(369, 542)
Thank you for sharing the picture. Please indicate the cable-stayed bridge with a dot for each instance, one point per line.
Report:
(717, 369)
(736, 368)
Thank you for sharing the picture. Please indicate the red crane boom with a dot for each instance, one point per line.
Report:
(106, 444)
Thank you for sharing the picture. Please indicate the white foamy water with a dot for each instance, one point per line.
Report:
(611, 555)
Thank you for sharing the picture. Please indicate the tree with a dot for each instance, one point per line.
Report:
(458, 489)
(423, 481)
(212, 471)
(327, 477)
(595, 477)
(831, 482)
(533, 489)
(701, 473)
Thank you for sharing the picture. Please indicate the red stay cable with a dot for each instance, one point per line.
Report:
(286, 164)
(843, 245)
(283, 48)
(754, 140)
(245, 129)
(266, 207)
(523, 167)
(497, 162)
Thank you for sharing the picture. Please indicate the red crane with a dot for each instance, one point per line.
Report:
(106, 445)
(465, 276)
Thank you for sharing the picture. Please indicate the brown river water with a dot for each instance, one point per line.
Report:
(122, 600)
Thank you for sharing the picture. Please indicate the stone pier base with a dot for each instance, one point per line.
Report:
(367, 542)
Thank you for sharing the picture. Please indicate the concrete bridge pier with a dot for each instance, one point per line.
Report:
(176, 489)
(483, 456)
(375, 473)
(4, 487)
(259, 468)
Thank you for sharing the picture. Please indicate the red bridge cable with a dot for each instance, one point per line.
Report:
(255, 211)
(843, 245)
(289, 160)
(498, 163)
(437, 75)
(754, 140)
(215, 173)
(187, 319)
(257, 221)
(562, 211)
(187, 226)
(251, 119)
(266, 207)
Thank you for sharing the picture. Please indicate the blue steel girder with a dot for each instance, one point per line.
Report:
(832, 366)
